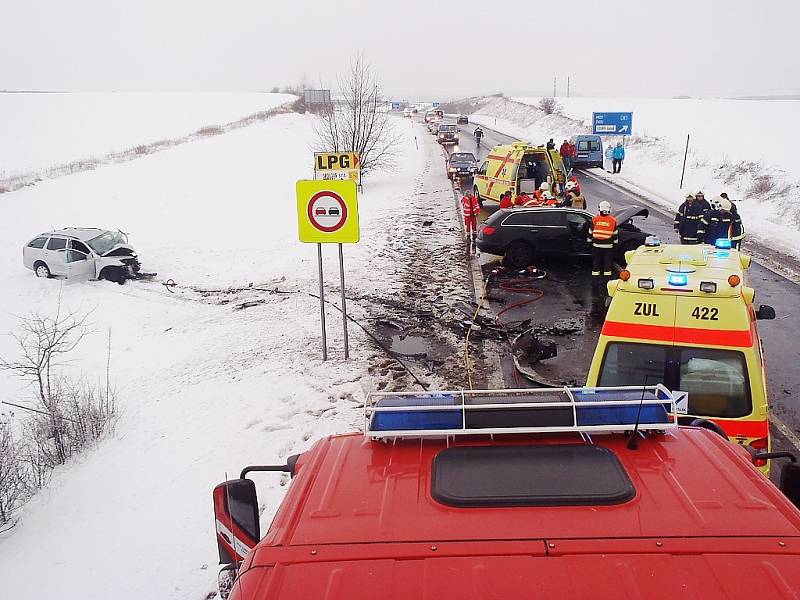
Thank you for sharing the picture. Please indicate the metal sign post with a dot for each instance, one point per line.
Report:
(322, 304)
(344, 303)
(685, 154)
(327, 213)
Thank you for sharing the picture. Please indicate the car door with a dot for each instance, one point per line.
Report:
(578, 230)
(553, 235)
(80, 263)
(480, 180)
(55, 256)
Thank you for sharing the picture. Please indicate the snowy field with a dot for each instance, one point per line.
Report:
(737, 130)
(743, 147)
(43, 130)
(204, 389)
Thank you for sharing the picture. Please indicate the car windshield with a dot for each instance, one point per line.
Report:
(447, 127)
(462, 156)
(716, 380)
(106, 241)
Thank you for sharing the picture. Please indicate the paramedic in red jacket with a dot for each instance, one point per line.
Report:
(471, 209)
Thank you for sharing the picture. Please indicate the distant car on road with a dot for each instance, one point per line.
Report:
(590, 151)
(85, 252)
(461, 164)
(462, 120)
(408, 112)
(447, 133)
(433, 126)
(433, 114)
(522, 235)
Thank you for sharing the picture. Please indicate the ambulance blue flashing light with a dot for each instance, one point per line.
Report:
(723, 244)
(677, 279)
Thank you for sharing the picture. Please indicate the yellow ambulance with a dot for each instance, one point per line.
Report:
(684, 316)
(518, 167)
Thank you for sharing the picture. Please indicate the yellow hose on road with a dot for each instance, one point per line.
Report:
(467, 364)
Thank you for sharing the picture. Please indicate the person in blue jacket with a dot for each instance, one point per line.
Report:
(619, 156)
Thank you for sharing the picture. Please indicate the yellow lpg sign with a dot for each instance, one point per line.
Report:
(337, 166)
(327, 211)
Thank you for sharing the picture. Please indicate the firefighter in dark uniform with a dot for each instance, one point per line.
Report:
(604, 237)
(721, 222)
(687, 220)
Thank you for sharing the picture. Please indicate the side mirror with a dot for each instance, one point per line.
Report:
(765, 312)
(226, 579)
(236, 519)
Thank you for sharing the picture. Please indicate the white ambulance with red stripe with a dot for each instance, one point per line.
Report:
(684, 316)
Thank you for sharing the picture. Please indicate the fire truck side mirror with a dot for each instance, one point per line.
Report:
(765, 312)
(236, 519)
(790, 482)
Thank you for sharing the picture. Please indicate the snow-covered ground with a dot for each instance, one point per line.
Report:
(204, 388)
(43, 130)
(744, 147)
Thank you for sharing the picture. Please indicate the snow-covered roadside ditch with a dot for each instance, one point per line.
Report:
(766, 194)
(204, 388)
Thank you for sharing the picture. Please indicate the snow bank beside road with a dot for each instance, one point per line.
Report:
(43, 130)
(754, 169)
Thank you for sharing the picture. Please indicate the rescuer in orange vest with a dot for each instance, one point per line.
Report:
(603, 236)
(471, 208)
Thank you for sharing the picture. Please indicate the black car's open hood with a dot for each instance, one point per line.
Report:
(629, 212)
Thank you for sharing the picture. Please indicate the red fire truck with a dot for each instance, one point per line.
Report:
(552, 493)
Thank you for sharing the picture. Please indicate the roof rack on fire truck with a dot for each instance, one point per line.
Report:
(412, 415)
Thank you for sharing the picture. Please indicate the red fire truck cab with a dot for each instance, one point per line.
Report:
(558, 493)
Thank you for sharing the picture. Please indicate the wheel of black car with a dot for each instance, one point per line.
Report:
(41, 269)
(115, 274)
(710, 425)
(518, 255)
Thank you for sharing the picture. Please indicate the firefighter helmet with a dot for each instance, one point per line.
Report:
(716, 202)
(545, 187)
(604, 207)
(571, 185)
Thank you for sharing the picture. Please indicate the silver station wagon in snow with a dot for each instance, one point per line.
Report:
(82, 252)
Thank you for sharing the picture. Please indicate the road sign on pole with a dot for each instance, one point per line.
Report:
(612, 123)
(337, 165)
(327, 213)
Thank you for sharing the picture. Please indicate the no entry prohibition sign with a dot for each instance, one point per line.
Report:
(327, 211)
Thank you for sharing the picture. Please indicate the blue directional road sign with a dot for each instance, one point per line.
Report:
(435, 105)
(395, 106)
(612, 123)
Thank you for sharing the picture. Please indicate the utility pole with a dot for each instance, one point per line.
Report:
(554, 86)
(567, 86)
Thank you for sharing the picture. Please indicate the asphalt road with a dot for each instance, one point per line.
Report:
(780, 337)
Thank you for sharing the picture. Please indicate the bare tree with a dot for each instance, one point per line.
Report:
(549, 106)
(361, 122)
(44, 344)
(13, 477)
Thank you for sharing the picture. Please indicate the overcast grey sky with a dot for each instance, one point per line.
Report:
(421, 49)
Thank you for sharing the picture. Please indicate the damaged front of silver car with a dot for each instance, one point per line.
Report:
(116, 260)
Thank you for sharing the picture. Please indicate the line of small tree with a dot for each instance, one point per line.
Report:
(60, 417)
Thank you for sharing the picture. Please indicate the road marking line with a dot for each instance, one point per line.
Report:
(785, 430)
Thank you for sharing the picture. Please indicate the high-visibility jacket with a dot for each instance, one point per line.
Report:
(470, 206)
(603, 232)
(717, 224)
(522, 199)
(687, 220)
(576, 200)
(505, 202)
